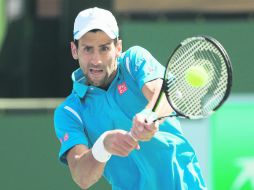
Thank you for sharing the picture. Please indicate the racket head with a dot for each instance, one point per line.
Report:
(198, 102)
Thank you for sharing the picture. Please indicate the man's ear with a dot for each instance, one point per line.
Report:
(74, 51)
(119, 48)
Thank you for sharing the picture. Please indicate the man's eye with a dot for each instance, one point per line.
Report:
(88, 49)
(105, 48)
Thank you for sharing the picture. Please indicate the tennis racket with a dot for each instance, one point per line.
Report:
(196, 101)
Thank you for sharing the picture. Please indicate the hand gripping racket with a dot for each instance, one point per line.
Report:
(197, 79)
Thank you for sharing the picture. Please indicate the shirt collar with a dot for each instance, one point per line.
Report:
(79, 81)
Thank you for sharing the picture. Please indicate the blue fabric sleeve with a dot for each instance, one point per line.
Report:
(69, 130)
(143, 66)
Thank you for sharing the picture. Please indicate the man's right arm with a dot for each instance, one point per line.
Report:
(85, 169)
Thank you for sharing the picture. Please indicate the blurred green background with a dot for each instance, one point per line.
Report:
(35, 62)
(29, 151)
(2, 21)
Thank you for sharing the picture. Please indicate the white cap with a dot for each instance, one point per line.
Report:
(95, 18)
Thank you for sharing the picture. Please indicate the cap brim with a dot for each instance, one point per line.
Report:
(109, 32)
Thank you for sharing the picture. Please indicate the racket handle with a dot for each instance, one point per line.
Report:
(160, 118)
(151, 117)
(163, 117)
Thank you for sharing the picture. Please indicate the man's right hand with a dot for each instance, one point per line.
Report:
(120, 143)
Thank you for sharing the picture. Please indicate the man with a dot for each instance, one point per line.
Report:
(102, 125)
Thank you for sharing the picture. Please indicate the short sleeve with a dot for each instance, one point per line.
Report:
(69, 130)
(142, 66)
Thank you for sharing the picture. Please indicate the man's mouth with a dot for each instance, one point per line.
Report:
(95, 71)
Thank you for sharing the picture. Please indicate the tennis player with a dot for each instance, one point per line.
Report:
(102, 125)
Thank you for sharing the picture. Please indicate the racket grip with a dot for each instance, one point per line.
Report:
(151, 117)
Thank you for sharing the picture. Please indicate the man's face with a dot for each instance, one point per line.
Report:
(97, 54)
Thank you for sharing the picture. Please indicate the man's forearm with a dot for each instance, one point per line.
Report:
(86, 171)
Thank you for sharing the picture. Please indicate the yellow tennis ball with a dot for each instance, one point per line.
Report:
(196, 76)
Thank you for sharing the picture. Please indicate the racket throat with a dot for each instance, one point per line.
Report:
(161, 96)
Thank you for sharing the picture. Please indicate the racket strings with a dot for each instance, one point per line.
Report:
(220, 76)
(193, 101)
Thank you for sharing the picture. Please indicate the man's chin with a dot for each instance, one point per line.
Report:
(95, 83)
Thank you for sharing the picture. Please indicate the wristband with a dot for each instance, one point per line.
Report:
(98, 150)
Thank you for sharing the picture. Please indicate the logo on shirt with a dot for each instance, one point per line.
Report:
(65, 138)
(122, 88)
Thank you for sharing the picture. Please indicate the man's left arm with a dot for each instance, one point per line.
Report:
(141, 129)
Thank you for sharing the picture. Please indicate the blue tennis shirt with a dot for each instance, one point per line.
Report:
(166, 162)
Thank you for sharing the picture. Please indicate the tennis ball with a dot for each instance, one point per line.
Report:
(196, 76)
